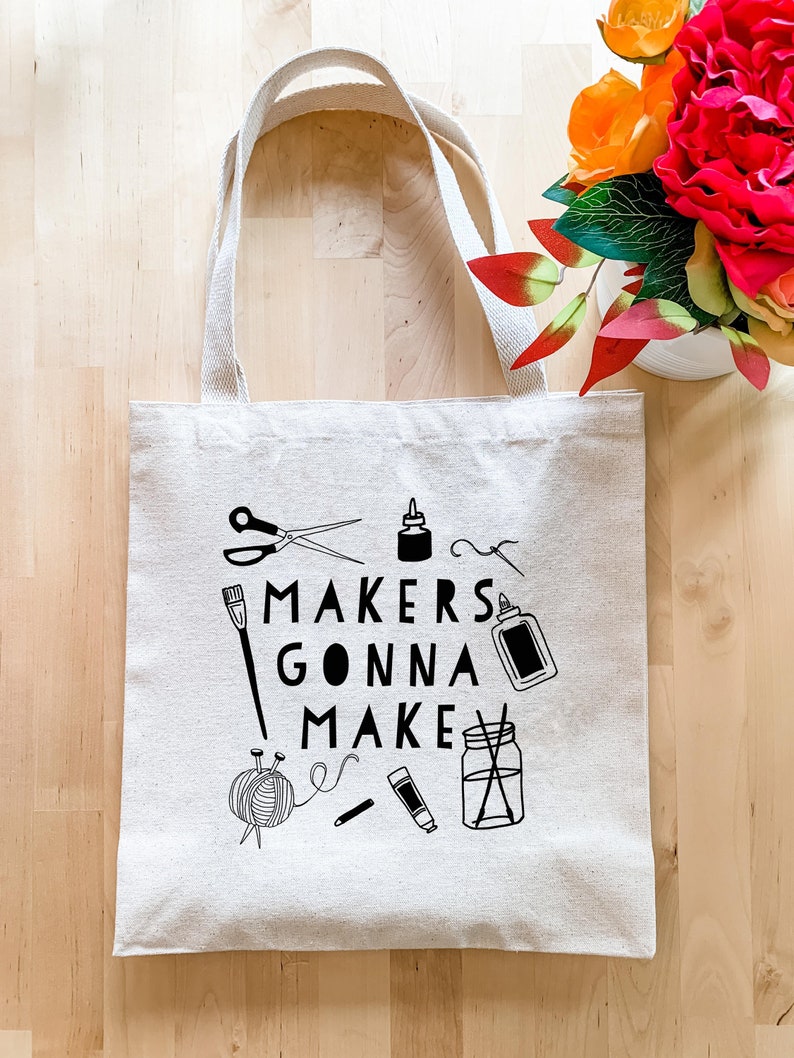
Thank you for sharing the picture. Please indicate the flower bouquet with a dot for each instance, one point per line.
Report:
(689, 177)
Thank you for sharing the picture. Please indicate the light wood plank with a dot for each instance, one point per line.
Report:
(491, 44)
(17, 440)
(210, 1003)
(16, 1043)
(498, 1003)
(138, 164)
(644, 995)
(279, 182)
(571, 1006)
(360, 27)
(424, 54)
(418, 263)
(426, 1003)
(711, 718)
(17, 748)
(353, 997)
(774, 1042)
(67, 934)
(299, 981)
(276, 332)
(272, 33)
(348, 348)
(69, 182)
(347, 206)
(67, 700)
(767, 486)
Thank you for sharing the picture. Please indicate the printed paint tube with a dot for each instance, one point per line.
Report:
(405, 788)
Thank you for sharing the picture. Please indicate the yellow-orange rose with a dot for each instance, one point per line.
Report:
(617, 128)
(641, 30)
(771, 316)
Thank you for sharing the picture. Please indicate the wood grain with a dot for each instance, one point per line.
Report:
(113, 121)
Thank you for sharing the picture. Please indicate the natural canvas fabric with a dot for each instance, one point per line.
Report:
(386, 662)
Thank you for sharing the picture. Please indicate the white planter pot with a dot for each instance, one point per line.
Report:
(692, 356)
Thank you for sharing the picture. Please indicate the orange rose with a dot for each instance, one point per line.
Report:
(617, 128)
(642, 30)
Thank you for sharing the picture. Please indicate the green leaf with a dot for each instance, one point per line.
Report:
(695, 7)
(558, 193)
(705, 272)
(627, 218)
(624, 219)
(665, 277)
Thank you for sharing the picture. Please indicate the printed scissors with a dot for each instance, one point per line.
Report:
(242, 519)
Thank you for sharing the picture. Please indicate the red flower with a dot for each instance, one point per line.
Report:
(731, 157)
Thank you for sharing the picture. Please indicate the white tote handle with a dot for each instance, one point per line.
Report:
(222, 376)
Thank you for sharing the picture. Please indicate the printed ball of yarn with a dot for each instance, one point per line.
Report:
(263, 798)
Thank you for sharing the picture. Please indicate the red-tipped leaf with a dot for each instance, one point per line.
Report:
(748, 356)
(635, 270)
(655, 318)
(560, 247)
(611, 355)
(632, 288)
(517, 278)
(553, 337)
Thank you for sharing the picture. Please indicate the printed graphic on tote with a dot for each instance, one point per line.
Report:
(492, 775)
(242, 520)
(415, 541)
(521, 646)
(495, 549)
(407, 791)
(491, 767)
(265, 798)
(353, 812)
(235, 604)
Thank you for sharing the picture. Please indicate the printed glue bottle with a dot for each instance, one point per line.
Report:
(521, 646)
(415, 541)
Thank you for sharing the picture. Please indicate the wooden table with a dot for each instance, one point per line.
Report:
(114, 117)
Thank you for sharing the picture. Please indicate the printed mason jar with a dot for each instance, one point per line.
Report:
(492, 772)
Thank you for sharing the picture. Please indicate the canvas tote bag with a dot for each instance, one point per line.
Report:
(386, 661)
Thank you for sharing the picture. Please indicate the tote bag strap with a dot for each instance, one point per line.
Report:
(222, 376)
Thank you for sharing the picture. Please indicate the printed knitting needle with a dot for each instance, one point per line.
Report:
(257, 755)
(235, 604)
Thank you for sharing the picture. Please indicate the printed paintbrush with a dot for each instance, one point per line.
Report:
(235, 604)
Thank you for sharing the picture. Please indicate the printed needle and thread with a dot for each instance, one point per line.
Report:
(495, 550)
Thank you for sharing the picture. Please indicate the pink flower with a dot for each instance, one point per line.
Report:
(731, 157)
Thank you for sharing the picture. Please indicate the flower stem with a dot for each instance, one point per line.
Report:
(594, 276)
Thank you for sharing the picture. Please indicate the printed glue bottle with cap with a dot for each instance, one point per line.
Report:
(521, 646)
(415, 541)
